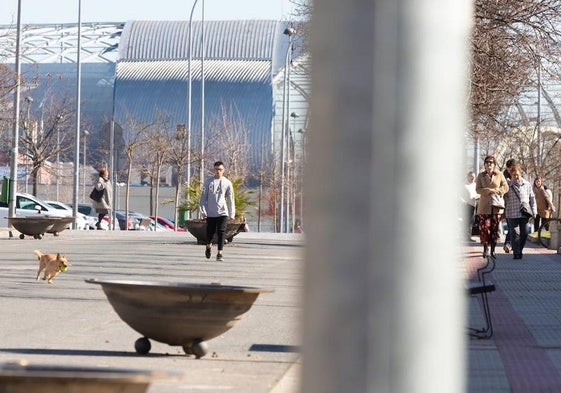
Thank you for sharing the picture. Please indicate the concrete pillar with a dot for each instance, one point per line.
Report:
(384, 304)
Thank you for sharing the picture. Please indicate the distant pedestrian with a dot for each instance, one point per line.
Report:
(544, 202)
(103, 206)
(491, 185)
(520, 190)
(298, 228)
(470, 198)
(217, 205)
(509, 164)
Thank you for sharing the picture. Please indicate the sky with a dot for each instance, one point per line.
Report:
(66, 11)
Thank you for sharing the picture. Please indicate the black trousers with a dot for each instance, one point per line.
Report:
(216, 225)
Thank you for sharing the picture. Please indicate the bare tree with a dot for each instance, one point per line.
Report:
(510, 40)
(228, 136)
(302, 14)
(136, 138)
(514, 49)
(178, 157)
(154, 154)
(43, 139)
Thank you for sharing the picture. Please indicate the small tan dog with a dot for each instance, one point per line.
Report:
(52, 263)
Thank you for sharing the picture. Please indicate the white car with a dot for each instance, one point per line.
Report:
(91, 216)
(29, 206)
(82, 222)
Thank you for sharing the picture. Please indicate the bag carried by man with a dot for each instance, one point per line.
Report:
(96, 195)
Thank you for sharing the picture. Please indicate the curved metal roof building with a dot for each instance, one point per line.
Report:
(241, 62)
(139, 70)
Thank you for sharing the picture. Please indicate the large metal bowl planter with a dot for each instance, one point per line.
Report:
(197, 228)
(31, 226)
(18, 377)
(60, 225)
(178, 314)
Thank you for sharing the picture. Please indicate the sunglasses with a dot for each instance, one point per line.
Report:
(489, 162)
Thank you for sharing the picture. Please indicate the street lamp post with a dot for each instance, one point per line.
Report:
(189, 99)
(202, 174)
(76, 182)
(289, 31)
(119, 185)
(292, 183)
(27, 128)
(57, 161)
(15, 133)
(86, 133)
(58, 119)
(302, 165)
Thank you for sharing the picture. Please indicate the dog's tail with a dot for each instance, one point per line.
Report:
(38, 253)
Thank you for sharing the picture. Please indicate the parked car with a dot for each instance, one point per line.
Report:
(29, 206)
(91, 215)
(140, 221)
(89, 210)
(131, 225)
(168, 223)
(82, 221)
(156, 226)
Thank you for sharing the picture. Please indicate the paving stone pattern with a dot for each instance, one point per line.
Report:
(524, 354)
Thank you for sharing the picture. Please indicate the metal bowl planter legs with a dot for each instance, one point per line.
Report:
(197, 228)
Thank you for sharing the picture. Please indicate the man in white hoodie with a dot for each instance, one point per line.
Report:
(217, 205)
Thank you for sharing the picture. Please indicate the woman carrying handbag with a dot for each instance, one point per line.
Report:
(103, 205)
(491, 185)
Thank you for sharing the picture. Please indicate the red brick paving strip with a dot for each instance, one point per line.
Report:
(527, 366)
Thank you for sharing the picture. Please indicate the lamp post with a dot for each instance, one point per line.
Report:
(119, 186)
(77, 133)
(202, 174)
(189, 99)
(57, 162)
(302, 165)
(15, 133)
(289, 31)
(292, 177)
(86, 133)
(58, 119)
(27, 127)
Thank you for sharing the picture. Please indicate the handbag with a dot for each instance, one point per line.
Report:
(497, 201)
(96, 194)
(526, 210)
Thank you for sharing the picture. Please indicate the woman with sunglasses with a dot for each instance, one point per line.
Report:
(489, 184)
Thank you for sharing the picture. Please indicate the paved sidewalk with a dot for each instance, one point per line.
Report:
(71, 322)
(524, 354)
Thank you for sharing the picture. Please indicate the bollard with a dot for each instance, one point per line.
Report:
(554, 239)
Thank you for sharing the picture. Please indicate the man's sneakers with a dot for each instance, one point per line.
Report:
(219, 257)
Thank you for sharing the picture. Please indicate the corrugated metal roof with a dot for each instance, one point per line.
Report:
(236, 39)
(144, 90)
(242, 59)
(227, 71)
